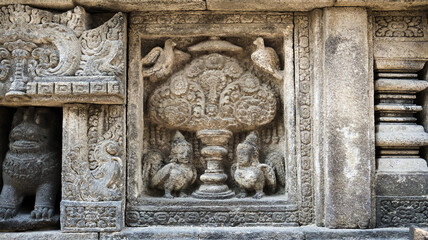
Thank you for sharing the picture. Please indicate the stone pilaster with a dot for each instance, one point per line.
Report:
(402, 173)
(93, 164)
(346, 110)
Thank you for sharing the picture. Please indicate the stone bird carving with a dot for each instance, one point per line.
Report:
(276, 161)
(266, 59)
(248, 172)
(103, 182)
(159, 63)
(179, 174)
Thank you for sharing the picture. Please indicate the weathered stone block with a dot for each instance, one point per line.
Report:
(77, 216)
(348, 148)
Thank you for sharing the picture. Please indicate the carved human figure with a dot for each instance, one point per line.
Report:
(179, 174)
(248, 172)
(32, 165)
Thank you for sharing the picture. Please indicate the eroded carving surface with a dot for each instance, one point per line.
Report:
(178, 174)
(213, 92)
(94, 171)
(402, 212)
(250, 174)
(103, 49)
(220, 94)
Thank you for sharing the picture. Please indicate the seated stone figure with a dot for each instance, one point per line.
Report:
(179, 174)
(248, 172)
(32, 165)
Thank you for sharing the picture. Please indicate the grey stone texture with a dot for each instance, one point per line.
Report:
(48, 235)
(214, 119)
(348, 136)
(307, 233)
(223, 5)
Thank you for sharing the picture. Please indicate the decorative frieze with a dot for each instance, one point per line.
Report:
(304, 112)
(211, 218)
(37, 47)
(400, 26)
(209, 18)
(91, 216)
(212, 213)
(402, 211)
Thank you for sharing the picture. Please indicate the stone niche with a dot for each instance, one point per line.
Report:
(211, 120)
(62, 70)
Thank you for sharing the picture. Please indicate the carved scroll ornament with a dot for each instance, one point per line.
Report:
(35, 44)
(213, 92)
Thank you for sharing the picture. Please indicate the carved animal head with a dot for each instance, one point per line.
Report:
(170, 43)
(259, 42)
(34, 129)
(105, 150)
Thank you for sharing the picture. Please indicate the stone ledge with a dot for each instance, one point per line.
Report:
(308, 233)
(51, 235)
(229, 5)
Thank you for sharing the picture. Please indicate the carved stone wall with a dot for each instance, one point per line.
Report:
(213, 114)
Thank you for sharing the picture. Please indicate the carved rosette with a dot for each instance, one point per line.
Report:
(213, 92)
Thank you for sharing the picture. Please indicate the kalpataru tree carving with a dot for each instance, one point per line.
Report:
(33, 164)
(214, 97)
(215, 94)
(36, 45)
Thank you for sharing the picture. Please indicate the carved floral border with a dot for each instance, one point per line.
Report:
(304, 118)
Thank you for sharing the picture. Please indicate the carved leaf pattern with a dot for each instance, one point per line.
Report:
(103, 49)
(212, 92)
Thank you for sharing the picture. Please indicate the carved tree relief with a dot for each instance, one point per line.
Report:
(214, 97)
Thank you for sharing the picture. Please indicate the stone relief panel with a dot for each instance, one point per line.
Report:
(31, 169)
(60, 55)
(209, 122)
(93, 166)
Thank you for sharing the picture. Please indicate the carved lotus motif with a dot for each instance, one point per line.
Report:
(212, 92)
